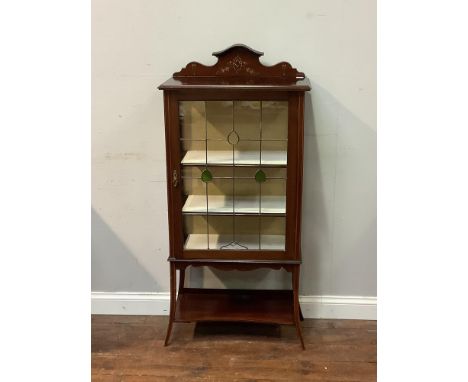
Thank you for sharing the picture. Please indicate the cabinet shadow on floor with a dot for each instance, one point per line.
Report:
(236, 329)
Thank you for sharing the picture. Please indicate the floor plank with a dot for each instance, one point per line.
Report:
(130, 348)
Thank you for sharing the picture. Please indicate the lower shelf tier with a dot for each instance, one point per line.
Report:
(267, 242)
(262, 306)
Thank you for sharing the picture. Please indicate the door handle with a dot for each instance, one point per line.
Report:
(175, 178)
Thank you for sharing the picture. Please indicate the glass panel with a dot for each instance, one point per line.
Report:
(192, 119)
(234, 174)
(219, 116)
(273, 233)
(196, 229)
(275, 120)
(252, 233)
(247, 119)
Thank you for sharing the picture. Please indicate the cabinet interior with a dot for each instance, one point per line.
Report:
(234, 172)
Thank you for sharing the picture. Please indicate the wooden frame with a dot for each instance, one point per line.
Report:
(238, 75)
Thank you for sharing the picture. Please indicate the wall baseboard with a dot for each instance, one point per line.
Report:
(338, 307)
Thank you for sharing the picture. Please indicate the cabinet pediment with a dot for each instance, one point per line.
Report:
(240, 61)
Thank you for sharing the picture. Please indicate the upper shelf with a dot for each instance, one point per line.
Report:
(238, 67)
(241, 158)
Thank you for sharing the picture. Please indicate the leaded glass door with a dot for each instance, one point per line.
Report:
(234, 174)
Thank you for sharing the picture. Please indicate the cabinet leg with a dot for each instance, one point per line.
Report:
(297, 308)
(181, 279)
(172, 305)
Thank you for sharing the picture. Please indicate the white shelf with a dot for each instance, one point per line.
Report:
(220, 157)
(243, 204)
(268, 242)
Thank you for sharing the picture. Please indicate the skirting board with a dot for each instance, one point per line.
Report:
(332, 307)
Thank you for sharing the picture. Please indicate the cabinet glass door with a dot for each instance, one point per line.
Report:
(234, 167)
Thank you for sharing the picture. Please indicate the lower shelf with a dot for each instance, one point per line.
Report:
(262, 306)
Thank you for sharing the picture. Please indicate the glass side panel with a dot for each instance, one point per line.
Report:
(234, 157)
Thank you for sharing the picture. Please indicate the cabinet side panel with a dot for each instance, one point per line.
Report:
(300, 172)
(294, 187)
(168, 169)
(173, 172)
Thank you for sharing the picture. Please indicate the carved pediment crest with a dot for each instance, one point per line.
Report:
(240, 61)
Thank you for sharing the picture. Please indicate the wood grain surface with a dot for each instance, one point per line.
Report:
(130, 348)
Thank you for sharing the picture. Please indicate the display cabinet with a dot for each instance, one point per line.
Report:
(234, 150)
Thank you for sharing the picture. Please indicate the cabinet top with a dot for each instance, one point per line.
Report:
(238, 67)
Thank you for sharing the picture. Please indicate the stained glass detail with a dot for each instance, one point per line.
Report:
(206, 176)
(260, 176)
(233, 138)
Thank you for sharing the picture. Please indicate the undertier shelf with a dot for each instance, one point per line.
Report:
(241, 158)
(262, 306)
(221, 204)
(251, 242)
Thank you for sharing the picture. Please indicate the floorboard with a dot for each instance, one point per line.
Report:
(130, 349)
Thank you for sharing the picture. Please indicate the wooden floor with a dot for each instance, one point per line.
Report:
(130, 348)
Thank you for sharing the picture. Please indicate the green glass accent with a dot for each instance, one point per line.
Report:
(206, 176)
(260, 176)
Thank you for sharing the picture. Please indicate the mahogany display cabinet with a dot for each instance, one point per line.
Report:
(234, 151)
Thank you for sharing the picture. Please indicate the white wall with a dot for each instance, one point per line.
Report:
(137, 44)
